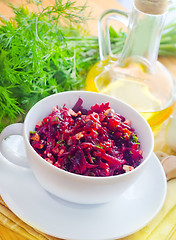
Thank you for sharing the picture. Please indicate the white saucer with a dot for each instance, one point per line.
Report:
(119, 218)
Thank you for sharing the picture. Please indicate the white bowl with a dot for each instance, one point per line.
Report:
(77, 188)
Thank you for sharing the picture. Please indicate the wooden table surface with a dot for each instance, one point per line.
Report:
(97, 7)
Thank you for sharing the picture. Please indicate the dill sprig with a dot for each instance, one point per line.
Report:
(36, 60)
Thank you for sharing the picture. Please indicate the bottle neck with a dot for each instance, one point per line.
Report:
(143, 38)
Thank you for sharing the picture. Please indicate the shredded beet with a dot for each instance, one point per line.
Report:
(94, 142)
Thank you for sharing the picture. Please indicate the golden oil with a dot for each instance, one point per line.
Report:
(106, 77)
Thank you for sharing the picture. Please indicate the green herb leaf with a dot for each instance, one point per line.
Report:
(36, 59)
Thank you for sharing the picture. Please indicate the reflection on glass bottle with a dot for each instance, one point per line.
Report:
(135, 76)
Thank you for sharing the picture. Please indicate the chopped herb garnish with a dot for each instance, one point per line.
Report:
(134, 138)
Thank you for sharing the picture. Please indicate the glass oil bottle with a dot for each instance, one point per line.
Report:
(135, 75)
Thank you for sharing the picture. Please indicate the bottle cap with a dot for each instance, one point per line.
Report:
(154, 7)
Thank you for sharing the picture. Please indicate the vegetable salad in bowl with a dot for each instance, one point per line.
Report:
(84, 147)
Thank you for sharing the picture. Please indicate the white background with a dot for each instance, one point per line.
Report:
(128, 4)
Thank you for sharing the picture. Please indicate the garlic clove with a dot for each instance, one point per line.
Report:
(161, 155)
(169, 165)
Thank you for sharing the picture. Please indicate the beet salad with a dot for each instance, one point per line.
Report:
(92, 142)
